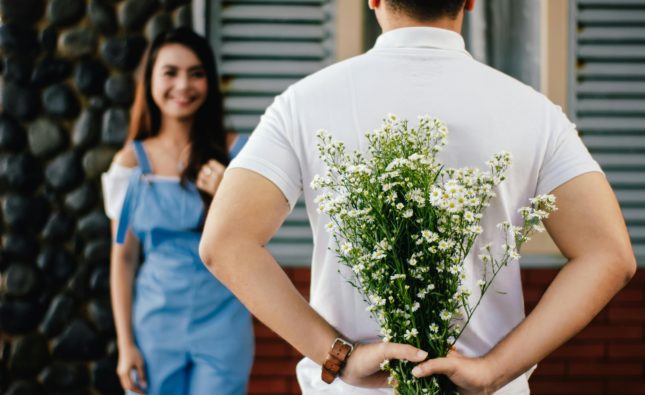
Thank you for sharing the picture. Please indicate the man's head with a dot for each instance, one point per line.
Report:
(447, 14)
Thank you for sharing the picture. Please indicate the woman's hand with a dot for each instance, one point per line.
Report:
(209, 176)
(130, 359)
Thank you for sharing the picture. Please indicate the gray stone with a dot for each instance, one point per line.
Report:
(64, 172)
(18, 316)
(184, 16)
(20, 280)
(45, 137)
(17, 69)
(60, 101)
(51, 70)
(78, 342)
(58, 227)
(25, 387)
(49, 39)
(87, 130)
(115, 126)
(102, 16)
(124, 52)
(172, 4)
(104, 377)
(56, 264)
(78, 42)
(20, 101)
(134, 13)
(68, 378)
(97, 252)
(23, 11)
(99, 310)
(96, 161)
(65, 12)
(60, 311)
(94, 225)
(98, 103)
(120, 89)
(82, 198)
(18, 38)
(19, 246)
(24, 213)
(12, 136)
(19, 172)
(28, 355)
(90, 76)
(160, 23)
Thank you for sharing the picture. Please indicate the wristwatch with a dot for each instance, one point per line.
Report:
(340, 351)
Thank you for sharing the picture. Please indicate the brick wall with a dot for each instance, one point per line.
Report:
(608, 357)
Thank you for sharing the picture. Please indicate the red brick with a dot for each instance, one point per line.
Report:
(628, 295)
(586, 350)
(548, 368)
(636, 351)
(627, 314)
(566, 387)
(624, 387)
(275, 367)
(272, 349)
(541, 276)
(301, 275)
(611, 332)
(638, 279)
(259, 386)
(607, 369)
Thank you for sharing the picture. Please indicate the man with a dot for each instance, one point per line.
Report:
(418, 66)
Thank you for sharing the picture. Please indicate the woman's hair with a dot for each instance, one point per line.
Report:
(207, 136)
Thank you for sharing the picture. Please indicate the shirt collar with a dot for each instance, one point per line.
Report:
(421, 37)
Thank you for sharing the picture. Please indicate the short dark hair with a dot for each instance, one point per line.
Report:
(428, 10)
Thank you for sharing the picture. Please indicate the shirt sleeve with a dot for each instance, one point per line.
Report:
(270, 150)
(115, 184)
(566, 156)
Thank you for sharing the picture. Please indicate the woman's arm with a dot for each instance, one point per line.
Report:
(124, 259)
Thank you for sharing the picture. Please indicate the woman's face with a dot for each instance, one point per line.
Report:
(179, 85)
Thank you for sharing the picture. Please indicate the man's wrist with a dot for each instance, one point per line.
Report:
(337, 357)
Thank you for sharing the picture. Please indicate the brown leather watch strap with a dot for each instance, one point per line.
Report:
(336, 359)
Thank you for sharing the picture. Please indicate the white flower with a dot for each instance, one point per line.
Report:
(445, 315)
(346, 248)
(385, 364)
(434, 328)
(415, 307)
(407, 213)
(399, 206)
(410, 333)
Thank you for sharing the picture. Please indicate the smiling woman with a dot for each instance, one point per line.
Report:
(175, 323)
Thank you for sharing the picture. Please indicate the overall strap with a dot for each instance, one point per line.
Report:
(142, 158)
(126, 212)
(240, 141)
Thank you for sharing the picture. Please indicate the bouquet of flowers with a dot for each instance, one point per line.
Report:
(404, 224)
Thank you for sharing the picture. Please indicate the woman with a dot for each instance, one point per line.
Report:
(179, 331)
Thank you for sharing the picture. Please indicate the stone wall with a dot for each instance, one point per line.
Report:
(67, 84)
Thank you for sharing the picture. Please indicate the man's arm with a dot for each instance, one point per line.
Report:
(246, 212)
(590, 231)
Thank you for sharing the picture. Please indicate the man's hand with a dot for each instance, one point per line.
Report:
(363, 367)
(473, 376)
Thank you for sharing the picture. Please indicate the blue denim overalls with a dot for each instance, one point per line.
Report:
(194, 335)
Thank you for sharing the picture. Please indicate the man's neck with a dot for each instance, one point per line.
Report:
(444, 23)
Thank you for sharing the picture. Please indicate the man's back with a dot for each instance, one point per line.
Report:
(411, 72)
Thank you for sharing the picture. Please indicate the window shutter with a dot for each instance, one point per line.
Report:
(262, 47)
(607, 98)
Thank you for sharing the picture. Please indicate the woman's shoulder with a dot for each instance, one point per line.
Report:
(126, 156)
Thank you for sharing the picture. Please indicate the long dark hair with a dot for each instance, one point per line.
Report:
(207, 136)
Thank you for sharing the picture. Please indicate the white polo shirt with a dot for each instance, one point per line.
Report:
(410, 72)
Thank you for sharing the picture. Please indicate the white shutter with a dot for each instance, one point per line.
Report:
(263, 46)
(607, 98)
